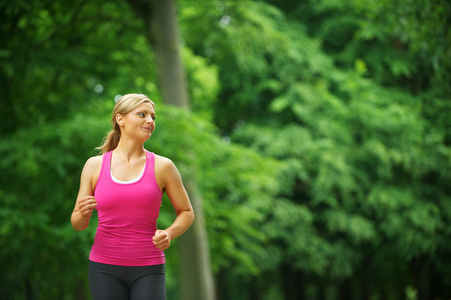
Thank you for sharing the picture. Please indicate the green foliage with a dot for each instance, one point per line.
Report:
(41, 175)
(77, 52)
(203, 84)
(317, 105)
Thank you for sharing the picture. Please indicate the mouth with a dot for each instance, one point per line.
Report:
(147, 129)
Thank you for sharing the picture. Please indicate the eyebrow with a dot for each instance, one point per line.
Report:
(146, 111)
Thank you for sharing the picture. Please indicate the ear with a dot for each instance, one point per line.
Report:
(120, 119)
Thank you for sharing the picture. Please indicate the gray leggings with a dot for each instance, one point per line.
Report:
(111, 282)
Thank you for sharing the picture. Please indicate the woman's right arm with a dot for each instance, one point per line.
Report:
(85, 204)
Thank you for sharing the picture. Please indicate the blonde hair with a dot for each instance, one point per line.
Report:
(123, 106)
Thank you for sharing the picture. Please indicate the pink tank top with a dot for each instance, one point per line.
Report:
(127, 214)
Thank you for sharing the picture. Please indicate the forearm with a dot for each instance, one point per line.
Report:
(181, 223)
(79, 222)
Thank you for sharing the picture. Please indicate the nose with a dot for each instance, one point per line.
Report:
(150, 119)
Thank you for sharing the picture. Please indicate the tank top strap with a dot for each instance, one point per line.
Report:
(106, 165)
(150, 165)
(150, 161)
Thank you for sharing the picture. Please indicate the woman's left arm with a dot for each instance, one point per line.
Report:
(173, 186)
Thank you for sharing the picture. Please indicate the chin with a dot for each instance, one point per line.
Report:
(144, 138)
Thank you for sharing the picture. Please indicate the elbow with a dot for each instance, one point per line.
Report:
(189, 216)
(192, 216)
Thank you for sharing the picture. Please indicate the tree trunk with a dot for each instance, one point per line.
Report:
(293, 283)
(345, 290)
(423, 282)
(197, 278)
(160, 18)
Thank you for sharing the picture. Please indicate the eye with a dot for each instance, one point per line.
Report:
(154, 117)
(141, 114)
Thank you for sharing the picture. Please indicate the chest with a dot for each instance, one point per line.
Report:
(127, 171)
(133, 198)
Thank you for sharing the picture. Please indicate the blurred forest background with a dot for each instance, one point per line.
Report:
(319, 137)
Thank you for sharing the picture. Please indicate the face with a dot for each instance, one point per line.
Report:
(139, 123)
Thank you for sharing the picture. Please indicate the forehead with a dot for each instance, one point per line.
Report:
(147, 107)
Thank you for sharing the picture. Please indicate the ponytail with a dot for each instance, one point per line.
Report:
(111, 140)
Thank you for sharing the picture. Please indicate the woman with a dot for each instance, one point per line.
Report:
(125, 185)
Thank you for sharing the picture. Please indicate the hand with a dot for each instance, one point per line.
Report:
(162, 239)
(86, 205)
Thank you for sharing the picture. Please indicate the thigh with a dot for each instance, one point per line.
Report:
(149, 283)
(106, 282)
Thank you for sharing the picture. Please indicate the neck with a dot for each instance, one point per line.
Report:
(129, 149)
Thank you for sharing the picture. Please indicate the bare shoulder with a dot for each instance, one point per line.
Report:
(163, 163)
(93, 163)
(166, 172)
(91, 173)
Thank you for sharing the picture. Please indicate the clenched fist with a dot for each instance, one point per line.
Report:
(162, 239)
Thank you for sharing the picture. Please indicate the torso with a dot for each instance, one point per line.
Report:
(127, 212)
